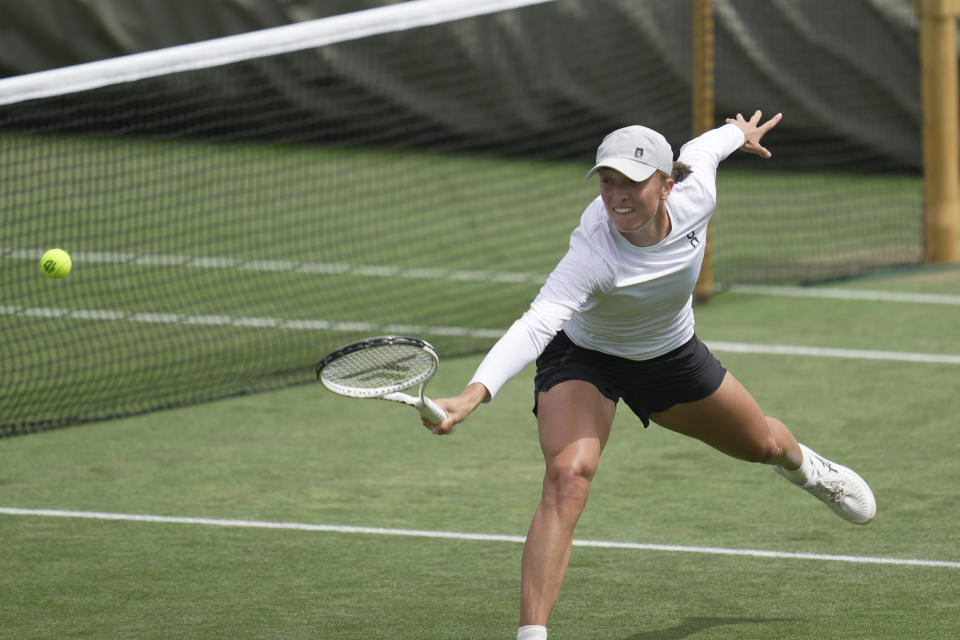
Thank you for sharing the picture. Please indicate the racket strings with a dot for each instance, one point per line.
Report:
(396, 366)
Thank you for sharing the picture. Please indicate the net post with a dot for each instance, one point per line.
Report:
(941, 156)
(702, 115)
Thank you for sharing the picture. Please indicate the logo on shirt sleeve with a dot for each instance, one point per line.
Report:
(694, 240)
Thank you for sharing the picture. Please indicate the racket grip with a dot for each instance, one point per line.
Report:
(432, 411)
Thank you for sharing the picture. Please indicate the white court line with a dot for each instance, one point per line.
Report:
(311, 324)
(423, 273)
(846, 294)
(480, 537)
(445, 331)
(275, 266)
(829, 352)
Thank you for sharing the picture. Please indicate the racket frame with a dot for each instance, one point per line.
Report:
(393, 392)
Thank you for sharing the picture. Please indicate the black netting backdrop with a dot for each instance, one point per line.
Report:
(229, 226)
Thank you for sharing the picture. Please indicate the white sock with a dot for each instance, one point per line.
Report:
(532, 632)
(804, 474)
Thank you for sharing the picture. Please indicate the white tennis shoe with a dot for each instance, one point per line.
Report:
(845, 492)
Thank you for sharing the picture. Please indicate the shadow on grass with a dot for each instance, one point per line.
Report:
(691, 626)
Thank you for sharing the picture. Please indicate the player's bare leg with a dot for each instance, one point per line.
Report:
(574, 420)
(731, 421)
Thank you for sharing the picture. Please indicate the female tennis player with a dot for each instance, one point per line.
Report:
(615, 320)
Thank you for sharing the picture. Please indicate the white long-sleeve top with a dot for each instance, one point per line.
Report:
(611, 296)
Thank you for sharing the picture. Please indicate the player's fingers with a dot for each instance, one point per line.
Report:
(739, 118)
(771, 123)
(444, 429)
(755, 148)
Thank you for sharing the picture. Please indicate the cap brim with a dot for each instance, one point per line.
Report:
(636, 171)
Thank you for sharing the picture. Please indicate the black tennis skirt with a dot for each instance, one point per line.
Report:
(688, 373)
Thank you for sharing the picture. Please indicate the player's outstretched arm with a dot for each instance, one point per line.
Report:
(753, 131)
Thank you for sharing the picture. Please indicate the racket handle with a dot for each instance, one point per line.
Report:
(432, 411)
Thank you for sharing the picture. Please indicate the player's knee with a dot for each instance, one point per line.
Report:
(567, 483)
(763, 450)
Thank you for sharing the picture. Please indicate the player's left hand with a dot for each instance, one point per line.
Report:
(753, 131)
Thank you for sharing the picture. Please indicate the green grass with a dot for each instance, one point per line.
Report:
(304, 455)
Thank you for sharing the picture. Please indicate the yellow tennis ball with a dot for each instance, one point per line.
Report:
(56, 263)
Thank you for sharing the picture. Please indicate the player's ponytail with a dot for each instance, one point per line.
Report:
(680, 171)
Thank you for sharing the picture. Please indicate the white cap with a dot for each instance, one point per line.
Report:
(636, 152)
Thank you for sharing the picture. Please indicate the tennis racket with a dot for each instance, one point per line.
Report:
(381, 368)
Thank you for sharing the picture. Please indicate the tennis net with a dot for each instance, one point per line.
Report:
(237, 208)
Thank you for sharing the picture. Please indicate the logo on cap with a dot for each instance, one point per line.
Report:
(638, 152)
